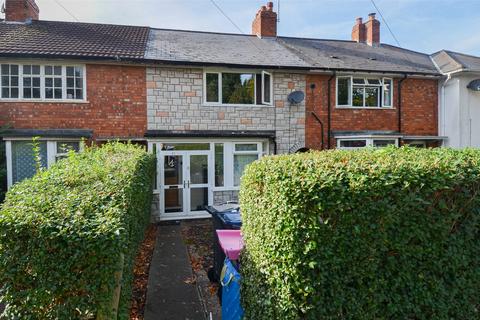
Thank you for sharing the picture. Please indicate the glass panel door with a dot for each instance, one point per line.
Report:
(174, 184)
(198, 182)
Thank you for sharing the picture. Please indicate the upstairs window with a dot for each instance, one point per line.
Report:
(10, 81)
(362, 92)
(42, 82)
(237, 88)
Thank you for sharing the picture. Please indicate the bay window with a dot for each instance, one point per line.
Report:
(21, 162)
(364, 92)
(42, 82)
(238, 88)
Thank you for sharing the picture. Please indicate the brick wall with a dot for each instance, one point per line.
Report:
(175, 102)
(419, 111)
(116, 106)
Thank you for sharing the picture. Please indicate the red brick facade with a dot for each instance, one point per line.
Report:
(21, 10)
(418, 111)
(116, 106)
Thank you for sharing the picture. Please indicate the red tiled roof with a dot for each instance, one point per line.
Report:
(73, 39)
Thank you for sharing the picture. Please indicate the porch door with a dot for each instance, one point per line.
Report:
(185, 184)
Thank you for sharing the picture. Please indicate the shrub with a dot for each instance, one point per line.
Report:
(64, 232)
(372, 234)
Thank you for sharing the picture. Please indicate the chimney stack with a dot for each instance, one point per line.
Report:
(265, 22)
(368, 32)
(21, 10)
(358, 31)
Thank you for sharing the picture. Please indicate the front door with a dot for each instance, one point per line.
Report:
(184, 190)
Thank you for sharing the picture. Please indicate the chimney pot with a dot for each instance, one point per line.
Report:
(265, 22)
(359, 20)
(371, 16)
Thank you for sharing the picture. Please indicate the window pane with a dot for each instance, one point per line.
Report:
(358, 81)
(14, 69)
(5, 81)
(198, 169)
(198, 199)
(353, 143)
(23, 162)
(185, 146)
(266, 88)
(383, 143)
(212, 87)
(387, 92)
(5, 93)
(246, 147)
(343, 91)
(66, 146)
(58, 70)
(238, 88)
(374, 81)
(357, 96)
(372, 97)
(74, 83)
(219, 165)
(240, 161)
(48, 93)
(14, 93)
(48, 70)
(5, 69)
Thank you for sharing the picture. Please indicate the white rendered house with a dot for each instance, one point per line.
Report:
(459, 99)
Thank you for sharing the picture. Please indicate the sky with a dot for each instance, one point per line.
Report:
(420, 25)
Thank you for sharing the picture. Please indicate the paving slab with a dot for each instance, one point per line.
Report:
(171, 293)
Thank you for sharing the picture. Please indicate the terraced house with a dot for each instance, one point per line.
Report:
(207, 104)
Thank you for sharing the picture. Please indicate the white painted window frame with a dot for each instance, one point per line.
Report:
(368, 141)
(350, 92)
(42, 98)
(51, 152)
(219, 73)
(265, 102)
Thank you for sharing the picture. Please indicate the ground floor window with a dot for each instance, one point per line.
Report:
(21, 162)
(356, 143)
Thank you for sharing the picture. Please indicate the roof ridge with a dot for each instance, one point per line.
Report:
(462, 54)
(90, 23)
(206, 32)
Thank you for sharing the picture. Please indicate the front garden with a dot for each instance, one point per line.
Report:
(69, 235)
(373, 234)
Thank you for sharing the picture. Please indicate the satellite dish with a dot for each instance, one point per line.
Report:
(296, 97)
(474, 85)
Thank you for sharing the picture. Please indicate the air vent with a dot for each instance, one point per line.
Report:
(371, 58)
(334, 57)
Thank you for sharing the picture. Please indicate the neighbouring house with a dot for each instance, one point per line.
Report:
(66, 81)
(208, 104)
(459, 110)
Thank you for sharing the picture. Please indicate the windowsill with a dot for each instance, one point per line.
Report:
(237, 105)
(365, 108)
(45, 101)
(226, 189)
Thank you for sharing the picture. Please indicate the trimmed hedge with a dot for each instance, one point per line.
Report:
(374, 234)
(63, 232)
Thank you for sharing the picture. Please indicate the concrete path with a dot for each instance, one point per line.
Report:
(171, 293)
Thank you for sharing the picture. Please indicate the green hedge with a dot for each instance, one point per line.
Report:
(372, 234)
(63, 232)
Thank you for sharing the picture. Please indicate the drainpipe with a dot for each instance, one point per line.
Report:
(400, 103)
(443, 104)
(329, 122)
(321, 127)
